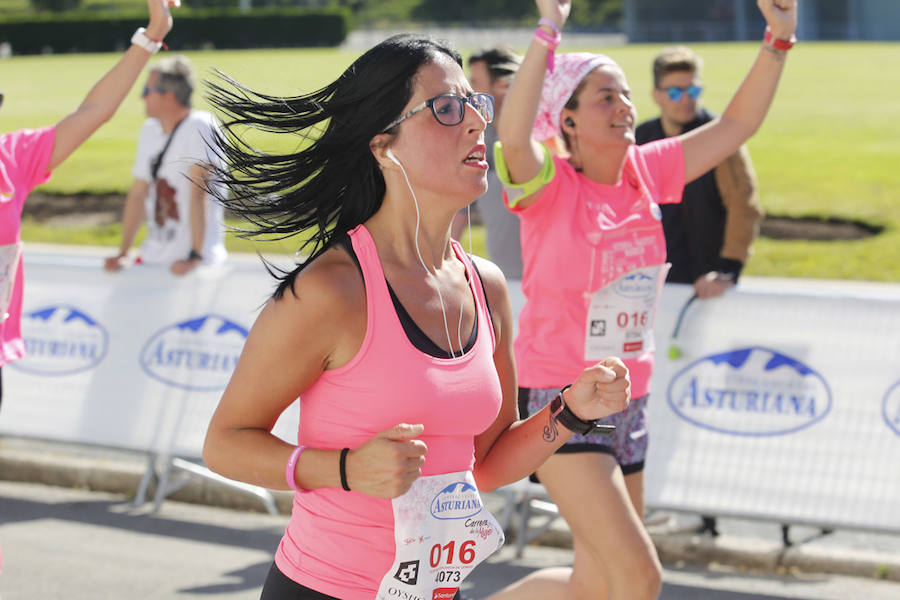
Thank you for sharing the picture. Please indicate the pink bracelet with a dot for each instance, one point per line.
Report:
(549, 41)
(548, 23)
(289, 470)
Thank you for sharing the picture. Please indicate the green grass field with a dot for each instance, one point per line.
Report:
(829, 147)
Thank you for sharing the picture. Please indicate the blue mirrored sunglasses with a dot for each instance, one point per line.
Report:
(147, 89)
(450, 109)
(675, 93)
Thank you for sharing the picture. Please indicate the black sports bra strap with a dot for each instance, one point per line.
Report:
(413, 332)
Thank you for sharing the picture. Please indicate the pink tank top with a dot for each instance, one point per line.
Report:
(342, 543)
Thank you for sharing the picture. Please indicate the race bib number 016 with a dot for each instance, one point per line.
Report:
(442, 531)
(621, 314)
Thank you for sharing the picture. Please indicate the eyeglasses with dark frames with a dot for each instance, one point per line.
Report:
(675, 93)
(450, 109)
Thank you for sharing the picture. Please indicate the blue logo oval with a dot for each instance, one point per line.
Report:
(636, 285)
(197, 354)
(890, 408)
(458, 500)
(750, 391)
(61, 340)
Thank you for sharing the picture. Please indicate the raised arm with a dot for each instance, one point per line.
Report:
(104, 99)
(523, 155)
(709, 145)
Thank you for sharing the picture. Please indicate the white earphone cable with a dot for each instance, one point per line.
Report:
(422, 261)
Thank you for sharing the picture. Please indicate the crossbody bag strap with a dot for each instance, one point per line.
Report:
(156, 163)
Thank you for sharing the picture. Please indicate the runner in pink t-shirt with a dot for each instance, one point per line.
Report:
(594, 260)
(28, 156)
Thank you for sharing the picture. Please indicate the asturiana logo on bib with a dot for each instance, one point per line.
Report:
(750, 391)
(636, 285)
(197, 354)
(891, 408)
(61, 340)
(458, 500)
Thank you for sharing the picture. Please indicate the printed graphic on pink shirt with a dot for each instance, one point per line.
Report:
(578, 238)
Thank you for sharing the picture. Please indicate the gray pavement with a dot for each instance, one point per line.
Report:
(748, 546)
(75, 544)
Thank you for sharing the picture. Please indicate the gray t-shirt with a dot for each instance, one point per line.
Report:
(502, 226)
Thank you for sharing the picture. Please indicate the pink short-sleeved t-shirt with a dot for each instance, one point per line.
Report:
(579, 236)
(24, 164)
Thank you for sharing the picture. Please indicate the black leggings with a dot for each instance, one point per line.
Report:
(279, 587)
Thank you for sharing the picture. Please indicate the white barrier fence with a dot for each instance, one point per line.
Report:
(784, 403)
(136, 359)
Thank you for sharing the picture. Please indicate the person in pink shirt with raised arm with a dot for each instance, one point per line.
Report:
(398, 344)
(594, 259)
(28, 156)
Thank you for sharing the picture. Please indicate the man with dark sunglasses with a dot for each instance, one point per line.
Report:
(708, 235)
(185, 225)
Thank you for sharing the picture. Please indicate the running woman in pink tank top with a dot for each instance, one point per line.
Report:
(397, 343)
(594, 261)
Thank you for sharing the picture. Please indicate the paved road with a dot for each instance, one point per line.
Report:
(78, 545)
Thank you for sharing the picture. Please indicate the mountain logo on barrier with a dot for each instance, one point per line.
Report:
(636, 285)
(61, 340)
(750, 391)
(197, 354)
(459, 500)
(890, 408)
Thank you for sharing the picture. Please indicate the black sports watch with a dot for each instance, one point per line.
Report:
(572, 422)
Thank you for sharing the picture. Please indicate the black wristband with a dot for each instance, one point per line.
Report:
(573, 422)
(194, 255)
(343, 468)
(730, 268)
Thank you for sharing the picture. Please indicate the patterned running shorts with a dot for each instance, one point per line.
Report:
(628, 445)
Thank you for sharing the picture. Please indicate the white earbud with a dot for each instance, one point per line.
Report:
(390, 155)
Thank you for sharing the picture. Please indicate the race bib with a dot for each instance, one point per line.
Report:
(621, 314)
(442, 531)
(9, 265)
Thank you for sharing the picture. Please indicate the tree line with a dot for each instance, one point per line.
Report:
(585, 13)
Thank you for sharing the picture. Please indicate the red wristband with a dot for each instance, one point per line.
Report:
(769, 40)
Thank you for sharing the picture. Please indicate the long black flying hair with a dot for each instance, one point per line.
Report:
(333, 183)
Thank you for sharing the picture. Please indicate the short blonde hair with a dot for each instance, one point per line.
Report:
(676, 58)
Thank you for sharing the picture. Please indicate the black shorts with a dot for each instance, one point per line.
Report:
(280, 587)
